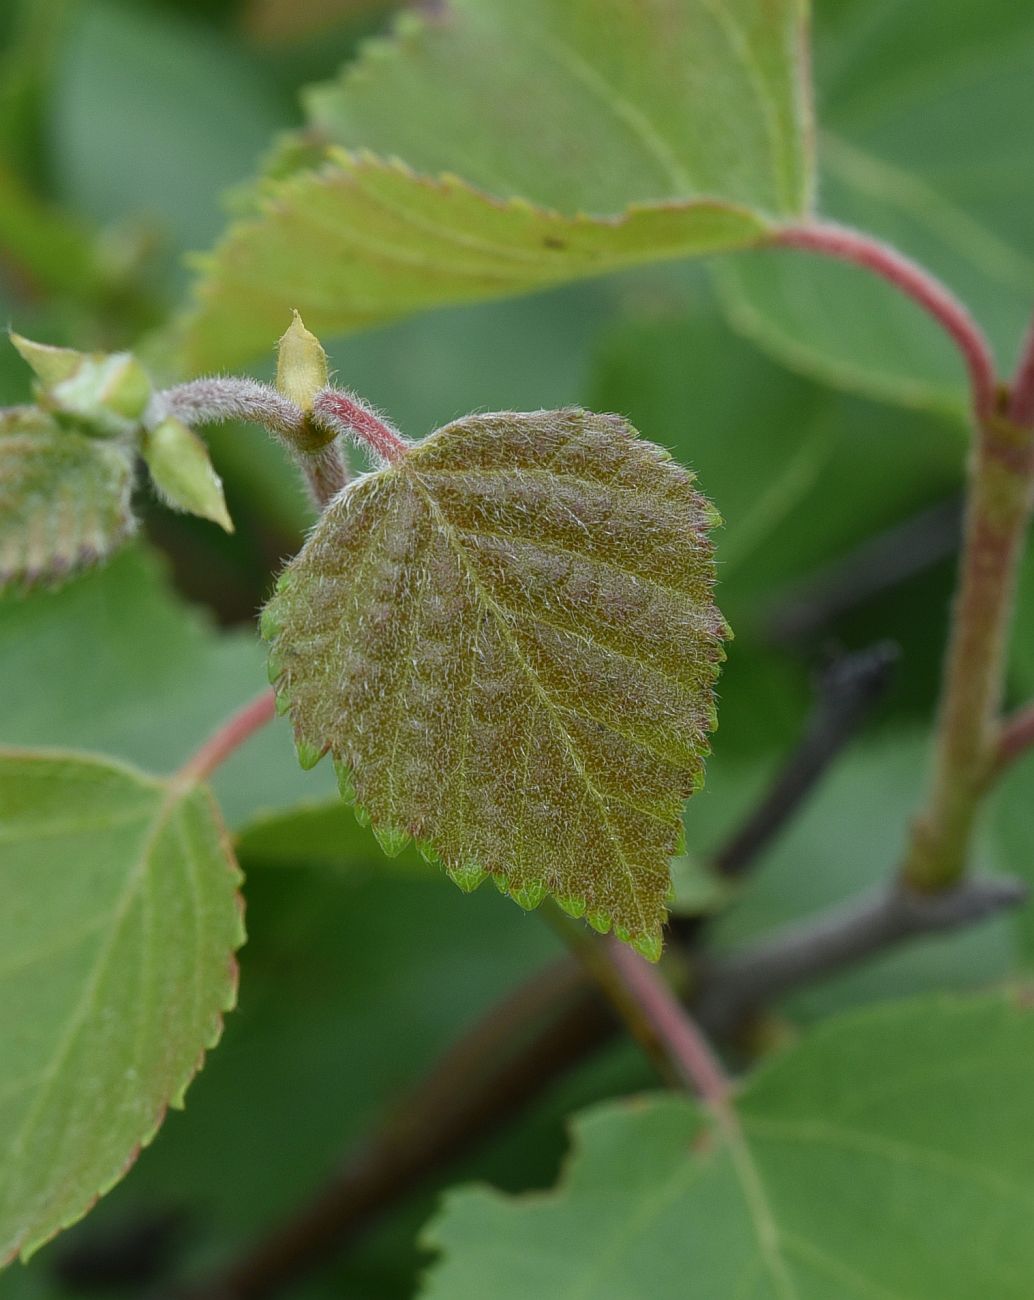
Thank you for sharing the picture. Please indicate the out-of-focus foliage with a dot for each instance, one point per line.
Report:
(121, 125)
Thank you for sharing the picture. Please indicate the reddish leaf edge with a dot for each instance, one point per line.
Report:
(27, 1246)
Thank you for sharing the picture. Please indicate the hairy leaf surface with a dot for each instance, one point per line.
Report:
(657, 128)
(117, 933)
(507, 639)
(64, 497)
(887, 1155)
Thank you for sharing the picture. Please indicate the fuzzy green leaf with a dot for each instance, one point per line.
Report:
(657, 129)
(886, 1155)
(507, 640)
(182, 471)
(64, 497)
(117, 934)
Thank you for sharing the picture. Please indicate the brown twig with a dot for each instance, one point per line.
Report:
(731, 986)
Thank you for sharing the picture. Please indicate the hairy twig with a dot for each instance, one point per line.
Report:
(219, 398)
(731, 986)
(346, 414)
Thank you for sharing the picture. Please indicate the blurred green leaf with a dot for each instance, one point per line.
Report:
(488, 202)
(926, 143)
(115, 663)
(118, 930)
(847, 1170)
(64, 497)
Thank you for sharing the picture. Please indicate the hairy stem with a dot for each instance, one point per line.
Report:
(346, 414)
(998, 505)
(217, 399)
(998, 509)
(228, 738)
(925, 290)
(733, 985)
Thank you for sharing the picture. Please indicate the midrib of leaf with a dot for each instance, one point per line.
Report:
(543, 696)
(82, 1010)
(924, 204)
(759, 1209)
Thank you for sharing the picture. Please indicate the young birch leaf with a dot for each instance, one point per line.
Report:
(657, 129)
(64, 497)
(886, 1155)
(507, 640)
(120, 920)
(182, 471)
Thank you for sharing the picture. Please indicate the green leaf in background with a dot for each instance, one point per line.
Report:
(925, 142)
(508, 640)
(165, 680)
(64, 497)
(888, 1154)
(655, 131)
(117, 935)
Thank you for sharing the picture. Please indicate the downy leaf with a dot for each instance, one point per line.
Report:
(117, 934)
(888, 1154)
(64, 497)
(508, 642)
(656, 130)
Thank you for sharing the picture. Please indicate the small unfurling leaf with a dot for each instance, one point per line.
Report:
(301, 364)
(507, 641)
(182, 471)
(64, 496)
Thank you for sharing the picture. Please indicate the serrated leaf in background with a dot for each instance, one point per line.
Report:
(64, 497)
(889, 1153)
(508, 638)
(925, 141)
(486, 202)
(165, 680)
(119, 925)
